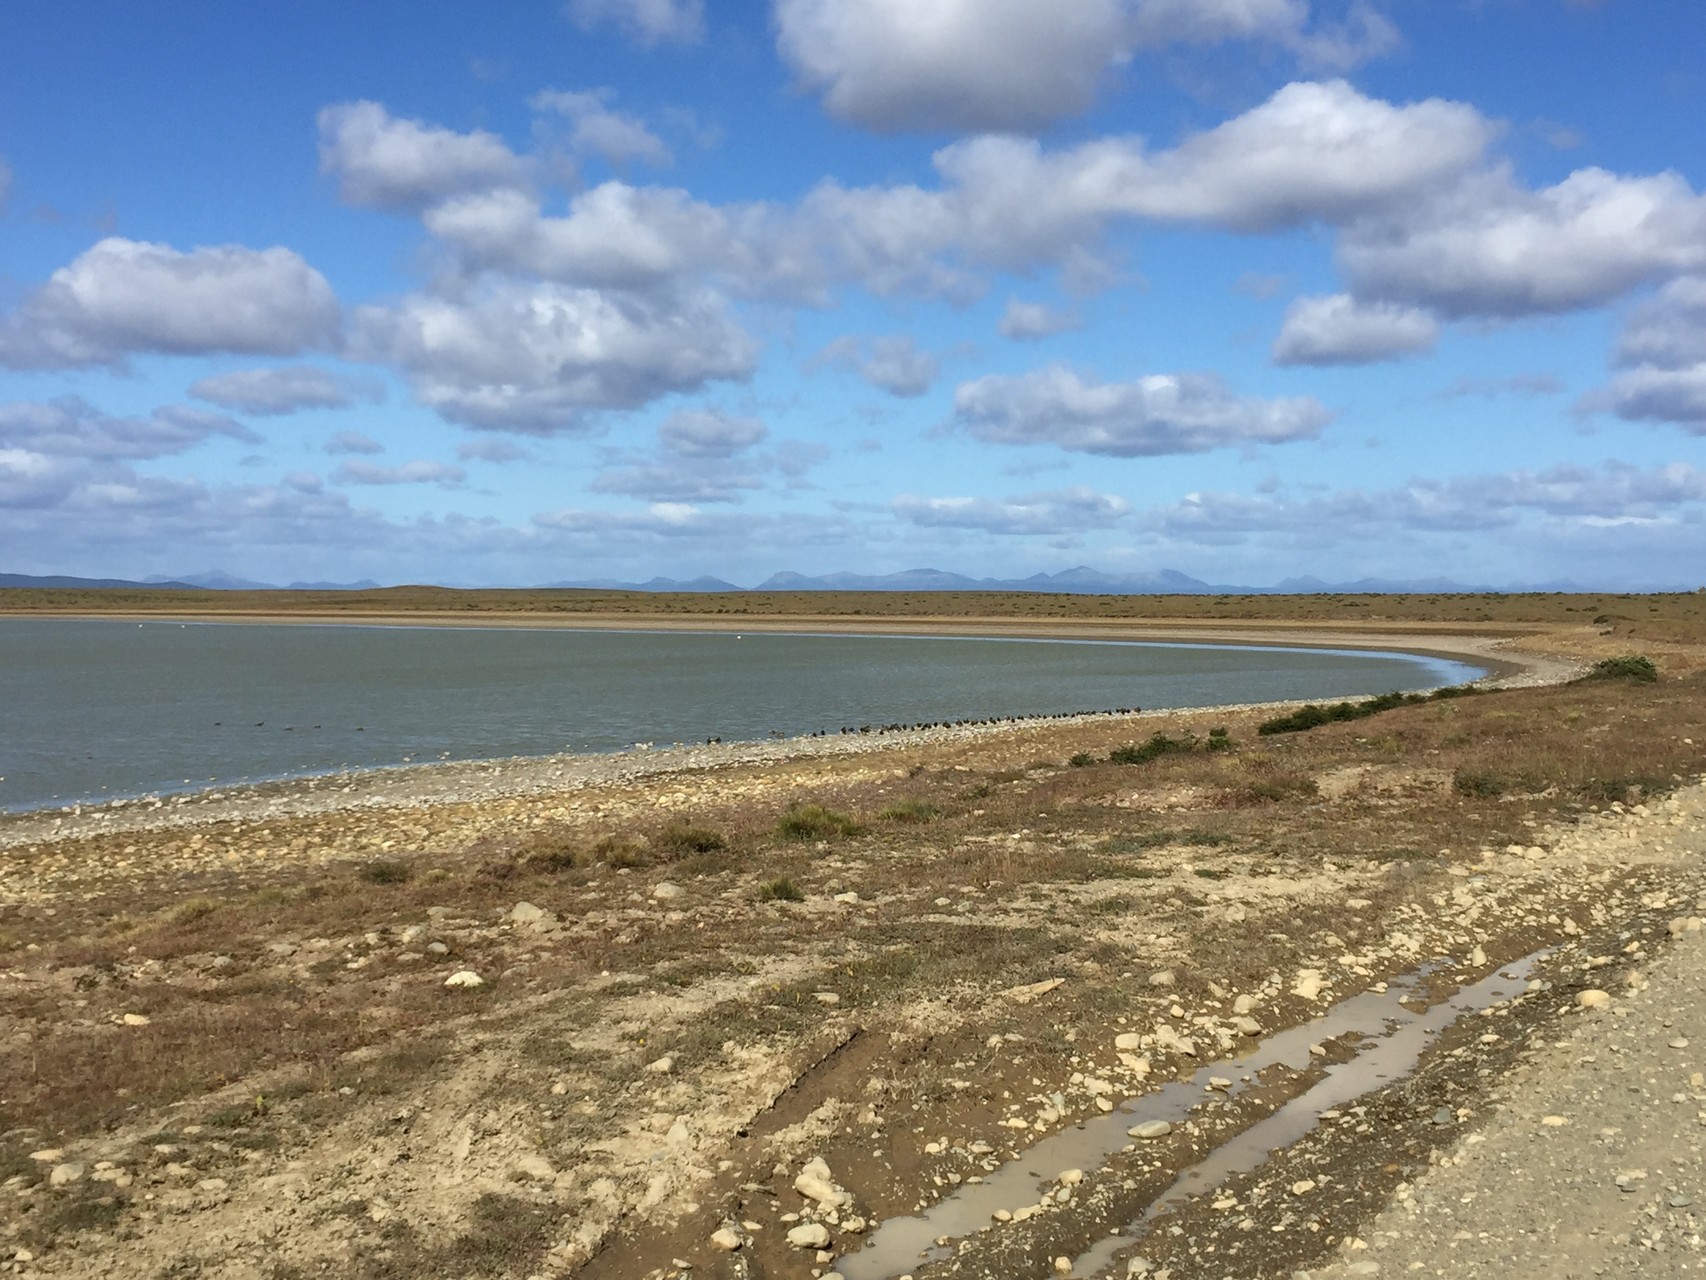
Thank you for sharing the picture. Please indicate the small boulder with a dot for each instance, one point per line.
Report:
(809, 1235)
(465, 978)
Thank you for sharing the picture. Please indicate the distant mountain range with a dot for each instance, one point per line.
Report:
(1077, 581)
(212, 580)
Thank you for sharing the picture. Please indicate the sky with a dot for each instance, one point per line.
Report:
(574, 290)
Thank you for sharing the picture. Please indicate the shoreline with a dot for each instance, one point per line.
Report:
(428, 783)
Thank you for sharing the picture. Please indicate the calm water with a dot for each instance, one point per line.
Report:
(104, 709)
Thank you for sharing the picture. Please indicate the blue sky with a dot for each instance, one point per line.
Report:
(603, 289)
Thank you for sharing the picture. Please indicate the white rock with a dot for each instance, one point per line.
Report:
(535, 1167)
(726, 1239)
(817, 1183)
(1071, 1177)
(1593, 999)
(1308, 984)
(1030, 991)
(661, 1066)
(1162, 978)
(464, 978)
(525, 913)
(1170, 1040)
(666, 891)
(1126, 1041)
(1245, 1004)
(809, 1235)
(63, 1175)
(135, 1020)
(1150, 1129)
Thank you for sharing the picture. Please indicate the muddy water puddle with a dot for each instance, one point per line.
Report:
(1387, 1033)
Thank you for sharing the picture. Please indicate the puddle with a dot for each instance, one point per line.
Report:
(1393, 1038)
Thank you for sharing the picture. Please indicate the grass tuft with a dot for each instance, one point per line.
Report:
(781, 889)
(814, 822)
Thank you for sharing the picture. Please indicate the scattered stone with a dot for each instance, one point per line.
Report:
(1308, 985)
(665, 891)
(48, 1155)
(535, 1167)
(1071, 1177)
(815, 1182)
(1593, 999)
(810, 1235)
(1554, 1122)
(525, 913)
(727, 1239)
(135, 1020)
(1126, 1041)
(1444, 1116)
(63, 1175)
(1150, 1129)
(1303, 1188)
(1679, 1042)
(464, 978)
(1063, 1265)
(437, 949)
(661, 1066)
(1163, 978)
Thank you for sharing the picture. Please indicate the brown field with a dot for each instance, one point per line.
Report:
(306, 1097)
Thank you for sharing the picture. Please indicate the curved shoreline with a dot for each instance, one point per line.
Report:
(473, 781)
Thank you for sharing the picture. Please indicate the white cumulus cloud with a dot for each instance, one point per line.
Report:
(596, 128)
(266, 392)
(1160, 414)
(385, 162)
(1029, 321)
(123, 297)
(1016, 65)
(1488, 247)
(1058, 511)
(1338, 329)
(894, 363)
(647, 22)
(538, 359)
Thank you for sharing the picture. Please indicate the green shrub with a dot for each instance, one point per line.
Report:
(814, 822)
(1479, 783)
(1219, 739)
(386, 871)
(1312, 715)
(781, 889)
(1632, 667)
(1082, 760)
(680, 839)
(1158, 745)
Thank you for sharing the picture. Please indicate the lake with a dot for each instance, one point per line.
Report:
(99, 710)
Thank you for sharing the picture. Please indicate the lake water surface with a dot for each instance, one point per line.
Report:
(98, 710)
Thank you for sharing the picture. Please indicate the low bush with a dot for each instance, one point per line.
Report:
(681, 840)
(1632, 667)
(1479, 783)
(1158, 745)
(814, 822)
(781, 889)
(385, 871)
(1312, 715)
(1082, 760)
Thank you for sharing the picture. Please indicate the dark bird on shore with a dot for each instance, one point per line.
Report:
(259, 723)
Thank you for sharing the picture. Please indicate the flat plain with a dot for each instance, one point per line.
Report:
(740, 1011)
